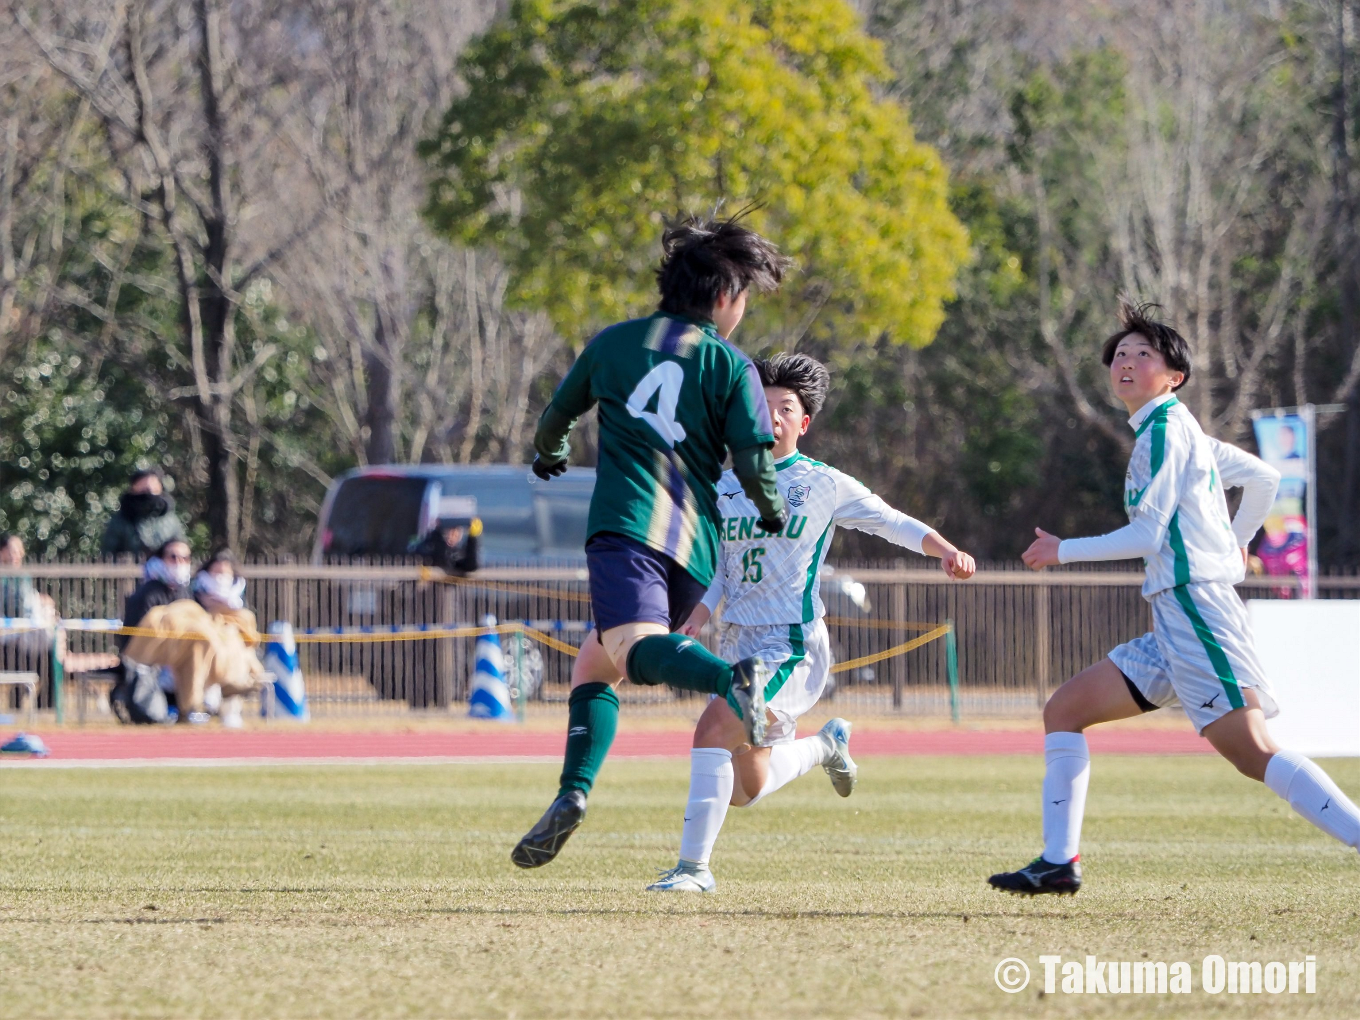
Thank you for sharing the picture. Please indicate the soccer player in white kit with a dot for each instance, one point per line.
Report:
(774, 611)
(1200, 651)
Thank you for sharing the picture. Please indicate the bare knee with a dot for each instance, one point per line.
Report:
(1097, 694)
(1066, 711)
(593, 665)
(1059, 717)
(719, 727)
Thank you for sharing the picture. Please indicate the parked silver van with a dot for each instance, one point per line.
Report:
(456, 515)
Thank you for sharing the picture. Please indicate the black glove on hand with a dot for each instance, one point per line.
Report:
(547, 471)
(775, 526)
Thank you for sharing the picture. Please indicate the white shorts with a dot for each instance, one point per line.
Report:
(799, 657)
(1200, 653)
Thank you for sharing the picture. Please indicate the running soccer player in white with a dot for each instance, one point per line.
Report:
(1200, 651)
(774, 610)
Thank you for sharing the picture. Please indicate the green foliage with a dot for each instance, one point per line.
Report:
(585, 123)
(70, 432)
(974, 433)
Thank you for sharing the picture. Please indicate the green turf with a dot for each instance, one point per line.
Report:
(388, 891)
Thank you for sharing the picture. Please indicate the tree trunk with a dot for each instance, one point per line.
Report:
(382, 413)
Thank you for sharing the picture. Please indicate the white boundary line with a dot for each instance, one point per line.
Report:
(207, 763)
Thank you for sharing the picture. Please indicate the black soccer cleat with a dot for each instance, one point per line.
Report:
(543, 842)
(749, 677)
(1038, 876)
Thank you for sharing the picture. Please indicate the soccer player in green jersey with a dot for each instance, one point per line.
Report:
(674, 398)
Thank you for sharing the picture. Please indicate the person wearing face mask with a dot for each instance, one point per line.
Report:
(139, 696)
(202, 638)
(165, 579)
(220, 590)
(146, 519)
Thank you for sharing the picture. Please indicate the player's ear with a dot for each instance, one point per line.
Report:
(807, 420)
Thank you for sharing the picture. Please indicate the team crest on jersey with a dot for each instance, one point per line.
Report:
(798, 494)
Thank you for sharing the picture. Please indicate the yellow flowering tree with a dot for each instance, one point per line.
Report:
(584, 124)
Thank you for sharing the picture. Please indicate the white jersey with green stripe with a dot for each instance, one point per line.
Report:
(775, 579)
(1174, 483)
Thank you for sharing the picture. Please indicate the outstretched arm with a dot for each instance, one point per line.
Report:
(1154, 506)
(1138, 540)
(956, 563)
(858, 508)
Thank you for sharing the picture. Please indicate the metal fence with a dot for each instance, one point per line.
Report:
(1018, 633)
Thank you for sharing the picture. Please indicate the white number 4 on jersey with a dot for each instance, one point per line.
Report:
(666, 377)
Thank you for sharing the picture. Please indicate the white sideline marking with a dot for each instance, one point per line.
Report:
(207, 763)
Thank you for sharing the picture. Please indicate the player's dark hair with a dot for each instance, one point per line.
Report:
(1161, 336)
(704, 259)
(807, 377)
(147, 472)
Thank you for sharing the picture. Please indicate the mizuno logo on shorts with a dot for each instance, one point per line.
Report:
(1210, 702)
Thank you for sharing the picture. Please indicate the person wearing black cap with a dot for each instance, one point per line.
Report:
(145, 520)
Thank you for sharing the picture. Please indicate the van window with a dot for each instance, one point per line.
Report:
(376, 516)
(505, 507)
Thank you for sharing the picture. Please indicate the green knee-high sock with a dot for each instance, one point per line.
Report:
(592, 720)
(680, 662)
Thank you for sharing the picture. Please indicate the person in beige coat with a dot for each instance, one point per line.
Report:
(209, 639)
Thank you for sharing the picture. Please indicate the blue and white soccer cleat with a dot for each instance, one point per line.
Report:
(685, 877)
(840, 766)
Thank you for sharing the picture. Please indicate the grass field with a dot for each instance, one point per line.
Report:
(387, 891)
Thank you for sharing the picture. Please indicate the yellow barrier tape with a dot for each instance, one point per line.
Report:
(510, 628)
(513, 587)
(902, 649)
(362, 638)
(550, 641)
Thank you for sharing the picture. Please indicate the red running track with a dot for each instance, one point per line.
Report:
(263, 745)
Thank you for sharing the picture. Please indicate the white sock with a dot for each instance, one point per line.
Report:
(1311, 793)
(789, 761)
(710, 791)
(1067, 773)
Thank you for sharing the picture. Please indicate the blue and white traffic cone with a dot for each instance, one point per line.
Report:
(490, 697)
(281, 659)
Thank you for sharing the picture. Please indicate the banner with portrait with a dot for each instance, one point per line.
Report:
(1288, 544)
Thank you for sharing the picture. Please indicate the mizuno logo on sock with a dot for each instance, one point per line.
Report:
(683, 645)
(576, 731)
(1325, 806)
(1064, 800)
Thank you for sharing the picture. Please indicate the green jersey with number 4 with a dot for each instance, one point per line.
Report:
(674, 397)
